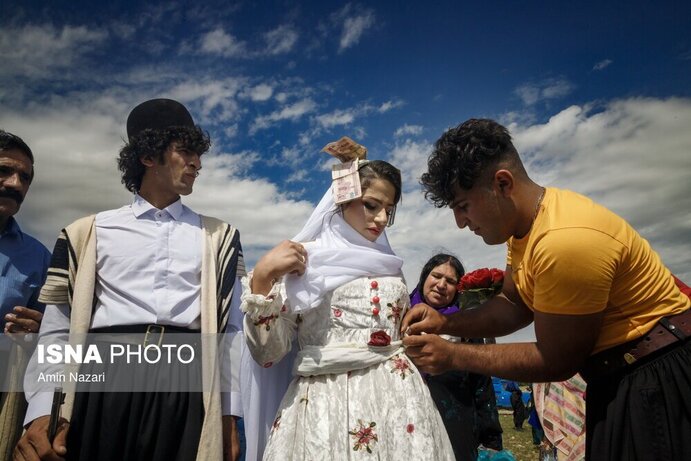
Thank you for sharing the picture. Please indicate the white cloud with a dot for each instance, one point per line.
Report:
(219, 42)
(602, 64)
(291, 112)
(231, 130)
(38, 51)
(336, 118)
(280, 40)
(388, 105)
(353, 28)
(292, 156)
(263, 214)
(298, 176)
(305, 138)
(554, 88)
(215, 98)
(259, 93)
(411, 158)
(343, 117)
(359, 132)
(408, 130)
(353, 25)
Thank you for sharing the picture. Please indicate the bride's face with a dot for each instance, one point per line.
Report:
(369, 214)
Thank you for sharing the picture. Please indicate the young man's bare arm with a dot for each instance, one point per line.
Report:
(563, 343)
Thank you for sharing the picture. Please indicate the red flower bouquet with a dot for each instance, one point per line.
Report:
(478, 286)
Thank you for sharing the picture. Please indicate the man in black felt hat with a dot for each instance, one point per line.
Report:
(153, 268)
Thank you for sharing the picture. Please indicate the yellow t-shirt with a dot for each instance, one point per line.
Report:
(580, 258)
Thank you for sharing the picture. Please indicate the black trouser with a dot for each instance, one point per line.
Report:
(138, 426)
(642, 412)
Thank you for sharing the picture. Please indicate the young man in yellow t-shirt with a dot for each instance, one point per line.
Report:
(601, 299)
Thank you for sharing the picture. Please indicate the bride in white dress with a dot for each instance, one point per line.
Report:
(355, 394)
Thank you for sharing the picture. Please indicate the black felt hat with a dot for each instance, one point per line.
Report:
(157, 114)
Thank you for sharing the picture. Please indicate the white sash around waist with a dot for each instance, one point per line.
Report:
(342, 358)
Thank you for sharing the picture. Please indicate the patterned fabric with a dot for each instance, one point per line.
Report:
(383, 411)
(561, 407)
(230, 266)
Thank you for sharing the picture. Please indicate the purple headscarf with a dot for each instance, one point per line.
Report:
(416, 298)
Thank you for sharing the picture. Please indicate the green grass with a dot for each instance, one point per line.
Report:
(520, 443)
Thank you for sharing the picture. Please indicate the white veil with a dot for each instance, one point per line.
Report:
(337, 254)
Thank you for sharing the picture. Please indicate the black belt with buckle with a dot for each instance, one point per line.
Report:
(675, 329)
(153, 333)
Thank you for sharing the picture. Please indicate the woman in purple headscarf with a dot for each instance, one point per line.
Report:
(465, 400)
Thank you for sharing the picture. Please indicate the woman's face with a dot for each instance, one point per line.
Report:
(439, 288)
(369, 214)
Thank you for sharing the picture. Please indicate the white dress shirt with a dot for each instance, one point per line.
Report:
(148, 266)
(148, 270)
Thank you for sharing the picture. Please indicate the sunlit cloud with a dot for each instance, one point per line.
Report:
(290, 112)
(38, 51)
(533, 93)
(408, 130)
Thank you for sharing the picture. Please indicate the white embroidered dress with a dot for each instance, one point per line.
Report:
(350, 400)
(355, 395)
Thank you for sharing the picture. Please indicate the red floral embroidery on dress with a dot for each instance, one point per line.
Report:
(394, 311)
(266, 321)
(410, 428)
(337, 312)
(276, 424)
(364, 436)
(379, 338)
(400, 365)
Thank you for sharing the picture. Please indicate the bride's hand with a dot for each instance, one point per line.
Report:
(286, 257)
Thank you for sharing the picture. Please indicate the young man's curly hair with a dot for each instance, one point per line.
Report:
(154, 143)
(462, 155)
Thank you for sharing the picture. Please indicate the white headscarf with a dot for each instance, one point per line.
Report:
(337, 254)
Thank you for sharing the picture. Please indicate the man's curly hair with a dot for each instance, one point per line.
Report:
(154, 143)
(462, 155)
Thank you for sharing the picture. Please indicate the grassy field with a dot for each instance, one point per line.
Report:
(520, 443)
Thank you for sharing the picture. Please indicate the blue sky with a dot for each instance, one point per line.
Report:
(597, 96)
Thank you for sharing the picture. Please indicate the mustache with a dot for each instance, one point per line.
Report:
(13, 194)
